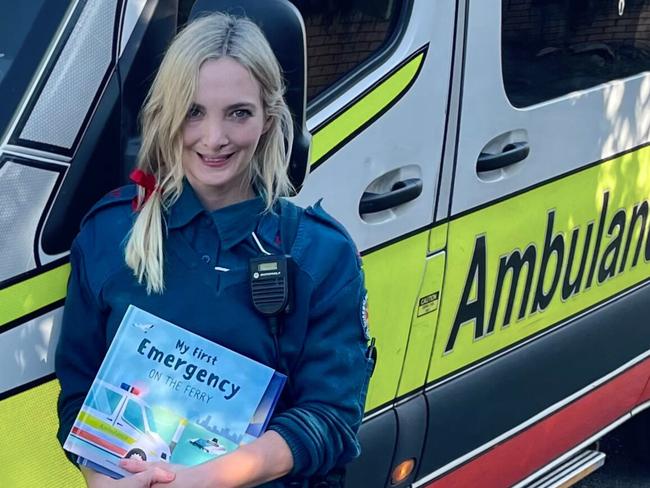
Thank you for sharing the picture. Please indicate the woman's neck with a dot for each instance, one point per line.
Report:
(216, 200)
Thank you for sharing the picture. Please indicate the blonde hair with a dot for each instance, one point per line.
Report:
(164, 113)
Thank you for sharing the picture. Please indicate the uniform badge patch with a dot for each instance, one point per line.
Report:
(364, 316)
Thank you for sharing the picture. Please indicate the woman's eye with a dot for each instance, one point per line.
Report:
(241, 114)
(194, 112)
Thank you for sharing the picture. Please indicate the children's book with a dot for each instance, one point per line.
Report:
(165, 394)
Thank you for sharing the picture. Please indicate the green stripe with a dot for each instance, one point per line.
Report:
(97, 424)
(33, 294)
(365, 109)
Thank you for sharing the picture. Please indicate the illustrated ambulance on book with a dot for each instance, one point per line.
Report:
(117, 420)
(489, 158)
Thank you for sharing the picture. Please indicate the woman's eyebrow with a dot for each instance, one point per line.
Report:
(239, 106)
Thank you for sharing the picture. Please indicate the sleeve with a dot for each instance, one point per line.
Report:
(81, 344)
(330, 379)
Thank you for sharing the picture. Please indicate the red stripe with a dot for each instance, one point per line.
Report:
(99, 441)
(526, 452)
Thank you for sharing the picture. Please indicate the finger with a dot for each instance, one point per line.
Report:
(157, 475)
(160, 464)
(134, 465)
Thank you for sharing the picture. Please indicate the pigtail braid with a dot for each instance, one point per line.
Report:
(144, 249)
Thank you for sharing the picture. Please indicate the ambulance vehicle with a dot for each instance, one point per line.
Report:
(118, 422)
(491, 160)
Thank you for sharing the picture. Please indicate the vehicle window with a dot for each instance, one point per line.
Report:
(26, 30)
(133, 415)
(151, 420)
(342, 35)
(104, 400)
(554, 47)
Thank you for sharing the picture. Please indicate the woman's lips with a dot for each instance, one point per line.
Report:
(215, 161)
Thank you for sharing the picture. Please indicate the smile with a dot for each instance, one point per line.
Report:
(217, 160)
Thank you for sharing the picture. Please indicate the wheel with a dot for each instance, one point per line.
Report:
(136, 454)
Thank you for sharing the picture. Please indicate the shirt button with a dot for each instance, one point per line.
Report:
(205, 258)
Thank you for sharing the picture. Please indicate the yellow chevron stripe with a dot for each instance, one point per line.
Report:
(367, 107)
(97, 424)
(33, 294)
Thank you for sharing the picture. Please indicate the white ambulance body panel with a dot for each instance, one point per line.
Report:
(404, 143)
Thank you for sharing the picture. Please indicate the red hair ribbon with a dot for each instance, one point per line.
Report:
(144, 180)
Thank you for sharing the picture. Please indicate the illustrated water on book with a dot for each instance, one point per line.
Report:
(165, 394)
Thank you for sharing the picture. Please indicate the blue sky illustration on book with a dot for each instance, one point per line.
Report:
(194, 376)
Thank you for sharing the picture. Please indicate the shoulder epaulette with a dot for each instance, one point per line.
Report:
(119, 196)
(318, 212)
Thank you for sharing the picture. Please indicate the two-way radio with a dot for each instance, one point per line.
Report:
(270, 284)
(270, 279)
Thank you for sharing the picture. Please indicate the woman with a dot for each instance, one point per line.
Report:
(211, 170)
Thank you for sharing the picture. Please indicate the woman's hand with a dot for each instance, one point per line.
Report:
(265, 459)
(136, 466)
(262, 460)
(159, 473)
(144, 477)
(195, 477)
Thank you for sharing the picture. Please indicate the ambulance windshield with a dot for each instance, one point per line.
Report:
(26, 30)
(150, 419)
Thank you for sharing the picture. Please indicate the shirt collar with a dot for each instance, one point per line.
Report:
(185, 209)
(234, 223)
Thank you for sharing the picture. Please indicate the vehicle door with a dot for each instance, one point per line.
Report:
(131, 419)
(379, 80)
(106, 403)
(547, 235)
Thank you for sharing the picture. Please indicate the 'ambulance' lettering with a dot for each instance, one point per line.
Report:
(568, 272)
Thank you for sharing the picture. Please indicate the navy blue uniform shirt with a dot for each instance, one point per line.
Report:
(207, 291)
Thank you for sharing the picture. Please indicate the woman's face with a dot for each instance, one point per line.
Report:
(221, 133)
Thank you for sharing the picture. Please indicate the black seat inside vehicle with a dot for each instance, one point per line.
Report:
(283, 26)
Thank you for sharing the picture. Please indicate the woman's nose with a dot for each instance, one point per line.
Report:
(215, 134)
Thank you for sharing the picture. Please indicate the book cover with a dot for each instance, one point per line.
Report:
(165, 394)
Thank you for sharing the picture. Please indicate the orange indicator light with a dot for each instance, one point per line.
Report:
(402, 471)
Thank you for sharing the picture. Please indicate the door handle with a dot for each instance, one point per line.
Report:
(512, 153)
(401, 192)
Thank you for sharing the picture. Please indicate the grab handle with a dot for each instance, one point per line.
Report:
(401, 192)
(512, 153)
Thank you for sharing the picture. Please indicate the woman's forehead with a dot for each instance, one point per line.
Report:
(225, 81)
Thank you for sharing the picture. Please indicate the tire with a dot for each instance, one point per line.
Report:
(136, 454)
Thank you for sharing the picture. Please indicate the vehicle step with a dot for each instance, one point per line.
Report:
(571, 471)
